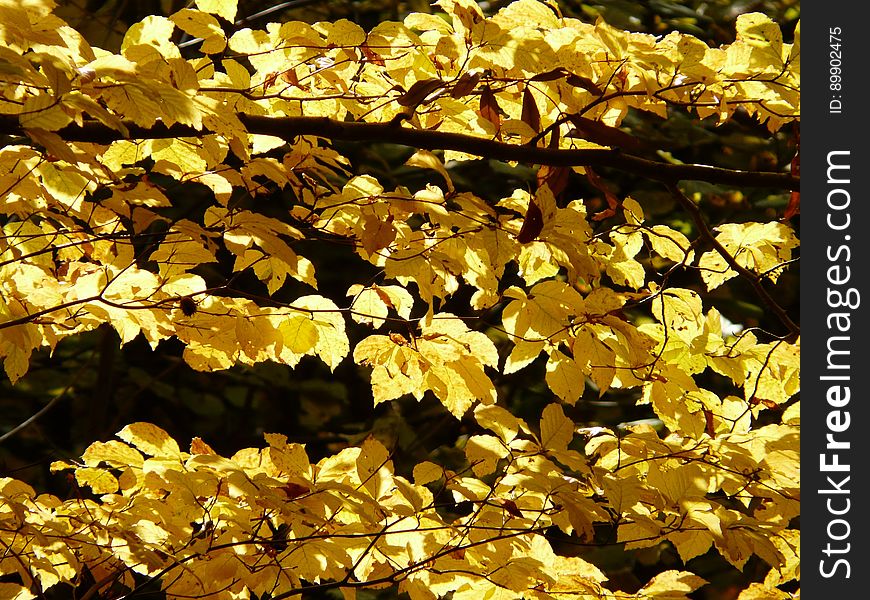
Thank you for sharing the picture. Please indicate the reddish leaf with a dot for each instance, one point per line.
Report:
(709, 425)
(511, 507)
(465, 85)
(270, 80)
(584, 83)
(398, 339)
(489, 108)
(794, 202)
(554, 138)
(532, 225)
(418, 92)
(754, 401)
(385, 298)
(550, 75)
(294, 490)
(530, 114)
(612, 201)
(605, 135)
(555, 177)
(290, 77)
(371, 56)
(794, 206)
(197, 446)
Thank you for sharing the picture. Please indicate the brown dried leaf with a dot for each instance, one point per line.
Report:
(465, 85)
(550, 75)
(532, 225)
(489, 108)
(371, 56)
(418, 92)
(605, 135)
(530, 114)
(584, 83)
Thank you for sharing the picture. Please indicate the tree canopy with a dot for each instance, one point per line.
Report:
(481, 301)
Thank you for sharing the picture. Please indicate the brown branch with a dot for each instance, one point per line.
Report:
(288, 128)
(705, 233)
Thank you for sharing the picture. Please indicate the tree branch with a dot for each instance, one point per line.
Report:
(754, 280)
(288, 128)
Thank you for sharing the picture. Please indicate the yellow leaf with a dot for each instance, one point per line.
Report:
(483, 453)
(150, 439)
(594, 356)
(53, 144)
(792, 415)
(342, 33)
(371, 304)
(332, 344)
(680, 310)
(669, 243)
(690, 544)
(114, 453)
(299, 334)
(176, 107)
(565, 377)
(426, 160)
(500, 421)
(99, 480)
(368, 307)
(678, 483)
(557, 430)
(632, 211)
(245, 41)
(150, 40)
(397, 369)
(772, 372)
(218, 184)
(288, 459)
(427, 472)
(762, 248)
(43, 112)
(759, 30)
(90, 107)
(201, 25)
(222, 8)
(447, 359)
(179, 253)
(65, 184)
(621, 264)
(374, 468)
(178, 157)
(544, 313)
(671, 585)
(14, 591)
(274, 270)
(522, 355)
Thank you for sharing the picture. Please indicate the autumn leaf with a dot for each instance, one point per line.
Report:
(489, 108)
(530, 115)
(446, 358)
(150, 439)
(532, 224)
(171, 193)
(557, 430)
(418, 92)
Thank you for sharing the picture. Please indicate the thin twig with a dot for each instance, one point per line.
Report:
(32, 419)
